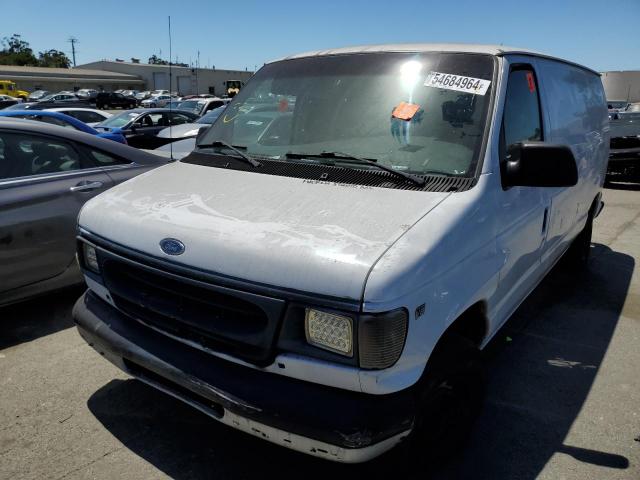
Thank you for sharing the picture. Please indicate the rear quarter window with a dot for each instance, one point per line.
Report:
(574, 98)
(104, 159)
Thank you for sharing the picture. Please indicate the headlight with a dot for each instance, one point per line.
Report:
(381, 338)
(329, 331)
(90, 258)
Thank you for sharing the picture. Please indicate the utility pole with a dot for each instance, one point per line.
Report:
(197, 67)
(73, 41)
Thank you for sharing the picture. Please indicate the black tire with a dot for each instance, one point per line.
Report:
(449, 401)
(580, 249)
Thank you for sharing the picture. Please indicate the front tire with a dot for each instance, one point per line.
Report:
(580, 249)
(449, 401)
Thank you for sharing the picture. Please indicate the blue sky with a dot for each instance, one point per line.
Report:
(586, 31)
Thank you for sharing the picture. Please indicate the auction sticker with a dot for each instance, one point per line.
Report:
(459, 83)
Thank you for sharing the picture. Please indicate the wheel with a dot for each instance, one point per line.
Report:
(449, 400)
(105, 106)
(580, 249)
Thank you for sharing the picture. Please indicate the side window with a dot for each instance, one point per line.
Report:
(179, 119)
(151, 120)
(103, 159)
(86, 117)
(54, 121)
(522, 120)
(24, 155)
(214, 104)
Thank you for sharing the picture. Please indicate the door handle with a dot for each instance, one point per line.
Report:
(86, 186)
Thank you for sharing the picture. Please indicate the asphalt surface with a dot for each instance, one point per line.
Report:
(563, 395)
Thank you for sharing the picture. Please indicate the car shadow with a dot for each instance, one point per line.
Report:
(37, 317)
(542, 366)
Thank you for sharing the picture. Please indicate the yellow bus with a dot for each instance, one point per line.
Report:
(7, 87)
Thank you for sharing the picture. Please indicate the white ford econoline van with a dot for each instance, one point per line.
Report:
(326, 266)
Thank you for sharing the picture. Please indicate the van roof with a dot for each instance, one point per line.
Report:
(497, 50)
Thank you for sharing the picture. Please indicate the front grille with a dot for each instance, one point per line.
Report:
(220, 319)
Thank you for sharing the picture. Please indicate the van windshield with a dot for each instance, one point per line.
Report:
(416, 113)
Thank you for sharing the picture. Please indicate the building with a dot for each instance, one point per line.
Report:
(57, 79)
(623, 85)
(184, 80)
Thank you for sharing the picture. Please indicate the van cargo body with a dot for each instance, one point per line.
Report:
(325, 267)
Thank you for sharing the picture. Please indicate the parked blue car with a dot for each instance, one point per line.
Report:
(62, 120)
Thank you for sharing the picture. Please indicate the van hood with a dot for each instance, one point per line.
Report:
(305, 235)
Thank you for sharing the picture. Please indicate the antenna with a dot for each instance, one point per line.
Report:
(170, 78)
(73, 41)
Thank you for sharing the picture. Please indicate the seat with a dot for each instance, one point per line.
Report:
(50, 159)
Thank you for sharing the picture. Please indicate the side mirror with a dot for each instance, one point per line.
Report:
(539, 164)
(201, 132)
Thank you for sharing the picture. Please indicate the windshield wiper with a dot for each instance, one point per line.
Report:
(349, 157)
(233, 148)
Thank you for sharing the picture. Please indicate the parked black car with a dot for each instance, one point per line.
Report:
(141, 125)
(114, 100)
(7, 103)
(624, 155)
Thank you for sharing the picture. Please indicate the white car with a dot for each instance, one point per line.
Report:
(325, 276)
(9, 98)
(201, 106)
(156, 101)
(191, 129)
(90, 116)
(176, 150)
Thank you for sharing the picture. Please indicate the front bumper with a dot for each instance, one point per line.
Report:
(326, 422)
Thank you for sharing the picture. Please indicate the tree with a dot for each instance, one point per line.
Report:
(53, 58)
(16, 51)
(155, 60)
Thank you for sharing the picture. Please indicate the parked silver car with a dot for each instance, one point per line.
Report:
(156, 101)
(187, 130)
(200, 106)
(47, 173)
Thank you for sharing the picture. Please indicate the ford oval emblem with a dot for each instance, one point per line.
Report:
(172, 246)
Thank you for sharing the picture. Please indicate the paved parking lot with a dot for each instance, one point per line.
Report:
(563, 403)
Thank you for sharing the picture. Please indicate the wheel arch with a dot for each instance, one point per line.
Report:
(472, 324)
(471, 327)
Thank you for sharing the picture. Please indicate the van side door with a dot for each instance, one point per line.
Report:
(523, 211)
